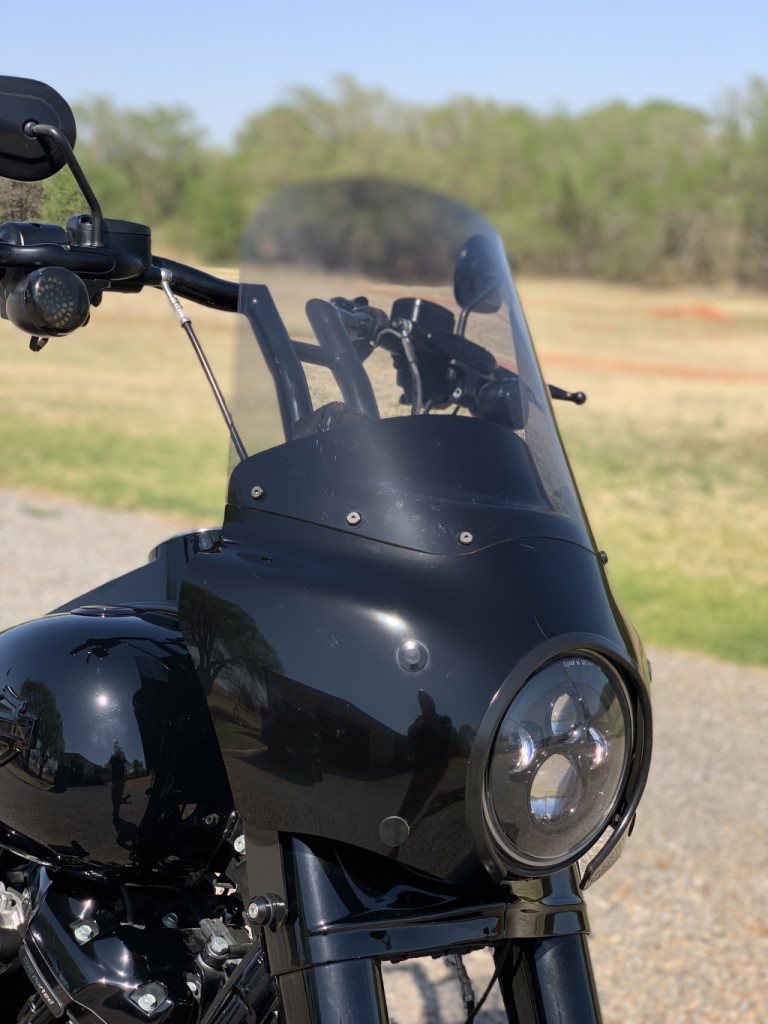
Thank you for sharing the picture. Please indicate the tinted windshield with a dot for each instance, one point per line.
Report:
(392, 377)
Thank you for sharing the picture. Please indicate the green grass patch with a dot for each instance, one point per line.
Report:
(165, 473)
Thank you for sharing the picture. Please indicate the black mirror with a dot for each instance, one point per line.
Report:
(477, 281)
(26, 157)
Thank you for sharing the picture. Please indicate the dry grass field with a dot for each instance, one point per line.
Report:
(669, 450)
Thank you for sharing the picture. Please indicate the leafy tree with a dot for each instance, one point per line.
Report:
(50, 731)
(62, 198)
(656, 193)
(20, 200)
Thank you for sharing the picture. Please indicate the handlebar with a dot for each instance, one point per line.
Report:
(75, 258)
(196, 285)
(28, 247)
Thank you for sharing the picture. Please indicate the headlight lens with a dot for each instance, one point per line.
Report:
(559, 762)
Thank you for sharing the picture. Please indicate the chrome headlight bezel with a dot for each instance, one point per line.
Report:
(497, 849)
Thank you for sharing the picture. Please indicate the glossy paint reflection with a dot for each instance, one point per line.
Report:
(295, 631)
(124, 769)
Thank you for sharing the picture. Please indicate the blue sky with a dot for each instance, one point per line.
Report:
(227, 60)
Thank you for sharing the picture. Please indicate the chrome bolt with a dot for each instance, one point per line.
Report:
(83, 933)
(257, 492)
(465, 538)
(354, 518)
(147, 1002)
(240, 845)
(170, 920)
(412, 656)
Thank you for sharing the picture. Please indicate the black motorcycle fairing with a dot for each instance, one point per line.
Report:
(124, 778)
(420, 482)
(296, 632)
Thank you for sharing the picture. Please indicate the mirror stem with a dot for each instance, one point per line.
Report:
(60, 139)
(473, 304)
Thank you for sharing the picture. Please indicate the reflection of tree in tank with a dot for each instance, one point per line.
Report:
(462, 740)
(50, 731)
(137, 766)
(228, 648)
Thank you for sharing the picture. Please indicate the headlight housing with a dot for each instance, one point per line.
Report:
(556, 763)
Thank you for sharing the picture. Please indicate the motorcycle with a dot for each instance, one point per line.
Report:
(387, 709)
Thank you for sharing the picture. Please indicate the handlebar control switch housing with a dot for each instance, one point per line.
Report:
(49, 301)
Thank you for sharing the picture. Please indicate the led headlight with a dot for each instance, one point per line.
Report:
(558, 763)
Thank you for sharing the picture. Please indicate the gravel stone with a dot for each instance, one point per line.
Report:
(679, 925)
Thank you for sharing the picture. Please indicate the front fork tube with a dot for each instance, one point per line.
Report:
(351, 911)
(351, 991)
(544, 981)
(548, 981)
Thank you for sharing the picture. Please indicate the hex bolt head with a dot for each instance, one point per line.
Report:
(257, 492)
(210, 820)
(218, 944)
(465, 538)
(240, 845)
(354, 518)
(83, 933)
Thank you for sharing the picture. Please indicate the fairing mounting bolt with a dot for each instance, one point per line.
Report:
(412, 656)
(465, 538)
(267, 911)
(84, 933)
(257, 492)
(354, 518)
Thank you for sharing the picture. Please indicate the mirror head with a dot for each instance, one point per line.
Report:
(25, 157)
(477, 280)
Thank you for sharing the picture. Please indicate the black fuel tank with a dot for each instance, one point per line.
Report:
(109, 759)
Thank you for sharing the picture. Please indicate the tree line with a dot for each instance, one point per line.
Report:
(658, 193)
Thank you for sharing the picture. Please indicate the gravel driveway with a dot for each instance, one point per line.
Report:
(679, 926)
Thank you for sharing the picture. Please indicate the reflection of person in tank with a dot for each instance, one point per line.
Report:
(117, 765)
(429, 739)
